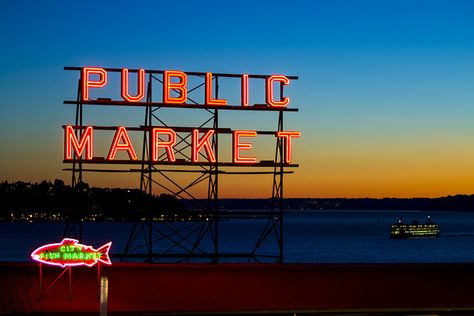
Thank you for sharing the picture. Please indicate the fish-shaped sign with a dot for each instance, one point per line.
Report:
(71, 253)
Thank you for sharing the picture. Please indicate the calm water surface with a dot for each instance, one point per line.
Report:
(310, 237)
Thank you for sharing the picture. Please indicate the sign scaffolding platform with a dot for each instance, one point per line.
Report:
(198, 239)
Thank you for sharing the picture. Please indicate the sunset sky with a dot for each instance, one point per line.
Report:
(385, 89)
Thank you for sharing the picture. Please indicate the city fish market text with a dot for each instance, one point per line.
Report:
(71, 253)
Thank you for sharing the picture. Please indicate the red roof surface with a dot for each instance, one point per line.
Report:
(207, 288)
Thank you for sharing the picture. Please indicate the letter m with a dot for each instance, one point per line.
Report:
(71, 143)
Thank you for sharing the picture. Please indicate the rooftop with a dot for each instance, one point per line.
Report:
(237, 288)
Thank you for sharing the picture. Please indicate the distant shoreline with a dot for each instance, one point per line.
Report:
(458, 203)
(56, 201)
(64, 220)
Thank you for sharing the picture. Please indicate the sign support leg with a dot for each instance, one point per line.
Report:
(40, 279)
(98, 280)
(70, 283)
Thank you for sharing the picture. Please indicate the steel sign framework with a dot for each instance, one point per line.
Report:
(198, 239)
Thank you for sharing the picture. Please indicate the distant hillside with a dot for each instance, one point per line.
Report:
(463, 203)
(50, 201)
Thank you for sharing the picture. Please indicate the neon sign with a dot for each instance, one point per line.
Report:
(71, 253)
(174, 80)
(79, 140)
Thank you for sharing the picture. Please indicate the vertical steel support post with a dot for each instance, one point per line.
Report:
(282, 160)
(277, 191)
(147, 232)
(146, 167)
(146, 181)
(73, 228)
(216, 179)
(148, 116)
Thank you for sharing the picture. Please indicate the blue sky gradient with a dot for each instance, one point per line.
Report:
(386, 88)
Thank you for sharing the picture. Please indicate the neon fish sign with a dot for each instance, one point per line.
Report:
(71, 253)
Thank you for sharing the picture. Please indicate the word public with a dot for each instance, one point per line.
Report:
(80, 142)
(177, 81)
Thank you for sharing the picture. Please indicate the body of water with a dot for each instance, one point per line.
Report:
(309, 236)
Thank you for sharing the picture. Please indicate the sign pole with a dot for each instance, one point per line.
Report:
(104, 295)
(67, 254)
(70, 282)
(98, 280)
(41, 279)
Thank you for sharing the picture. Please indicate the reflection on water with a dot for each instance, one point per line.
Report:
(310, 236)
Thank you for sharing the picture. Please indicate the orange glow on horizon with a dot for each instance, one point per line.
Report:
(355, 154)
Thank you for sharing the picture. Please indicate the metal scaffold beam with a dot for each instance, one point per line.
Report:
(197, 239)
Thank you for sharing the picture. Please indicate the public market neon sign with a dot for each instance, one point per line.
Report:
(69, 252)
(80, 143)
(174, 80)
